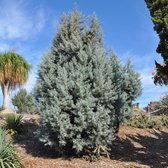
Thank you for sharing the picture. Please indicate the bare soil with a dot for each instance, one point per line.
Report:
(133, 148)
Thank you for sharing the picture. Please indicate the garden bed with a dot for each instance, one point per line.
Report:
(144, 148)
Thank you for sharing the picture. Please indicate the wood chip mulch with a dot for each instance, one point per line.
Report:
(133, 148)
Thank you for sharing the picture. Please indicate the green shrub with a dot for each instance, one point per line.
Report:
(13, 123)
(143, 121)
(8, 155)
(164, 120)
(23, 101)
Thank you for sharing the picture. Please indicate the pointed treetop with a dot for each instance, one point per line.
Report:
(94, 34)
(69, 35)
(97, 30)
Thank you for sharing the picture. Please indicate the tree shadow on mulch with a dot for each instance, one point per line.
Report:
(28, 141)
(151, 151)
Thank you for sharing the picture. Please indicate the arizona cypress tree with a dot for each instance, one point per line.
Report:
(76, 90)
(73, 89)
(127, 87)
(118, 79)
(133, 86)
(94, 34)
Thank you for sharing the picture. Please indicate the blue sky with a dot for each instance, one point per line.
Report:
(29, 27)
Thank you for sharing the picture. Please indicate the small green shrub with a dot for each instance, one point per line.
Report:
(164, 120)
(13, 123)
(24, 102)
(143, 121)
(8, 155)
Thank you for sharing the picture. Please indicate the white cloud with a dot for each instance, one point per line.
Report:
(151, 92)
(17, 22)
(40, 20)
(31, 81)
(149, 86)
(4, 47)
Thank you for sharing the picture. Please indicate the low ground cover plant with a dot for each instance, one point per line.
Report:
(164, 120)
(13, 123)
(144, 121)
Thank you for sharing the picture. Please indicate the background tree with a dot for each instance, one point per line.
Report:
(13, 73)
(162, 105)
(23, 101)
(159, 13)
(118, 78)
(133, 86)
(127, 86)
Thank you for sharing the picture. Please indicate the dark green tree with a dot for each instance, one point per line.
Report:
(23, 101)
(159, 14)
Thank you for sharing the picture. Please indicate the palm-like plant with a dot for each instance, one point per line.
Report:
(13, 123)
(14, 72)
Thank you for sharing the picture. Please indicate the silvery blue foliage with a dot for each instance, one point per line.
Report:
(128, 87)
(79, 92)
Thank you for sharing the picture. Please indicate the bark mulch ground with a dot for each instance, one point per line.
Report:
(133, 148)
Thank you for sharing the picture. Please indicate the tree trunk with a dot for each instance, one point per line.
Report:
(6, 97)
(117, 126)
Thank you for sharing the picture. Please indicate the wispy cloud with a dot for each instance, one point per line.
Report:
(16, 22)
(4, 47)
(20, 25)
(31, 81)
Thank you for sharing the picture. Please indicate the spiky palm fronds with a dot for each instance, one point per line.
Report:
(13, 69)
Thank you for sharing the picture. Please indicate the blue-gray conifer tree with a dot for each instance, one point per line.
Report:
(118, 78)
(128, 87)
(133, 86)
(76, 89)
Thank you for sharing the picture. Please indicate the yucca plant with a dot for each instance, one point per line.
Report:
(13, 123)
(8, 155)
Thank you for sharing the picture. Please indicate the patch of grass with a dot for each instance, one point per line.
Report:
(13, 123)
